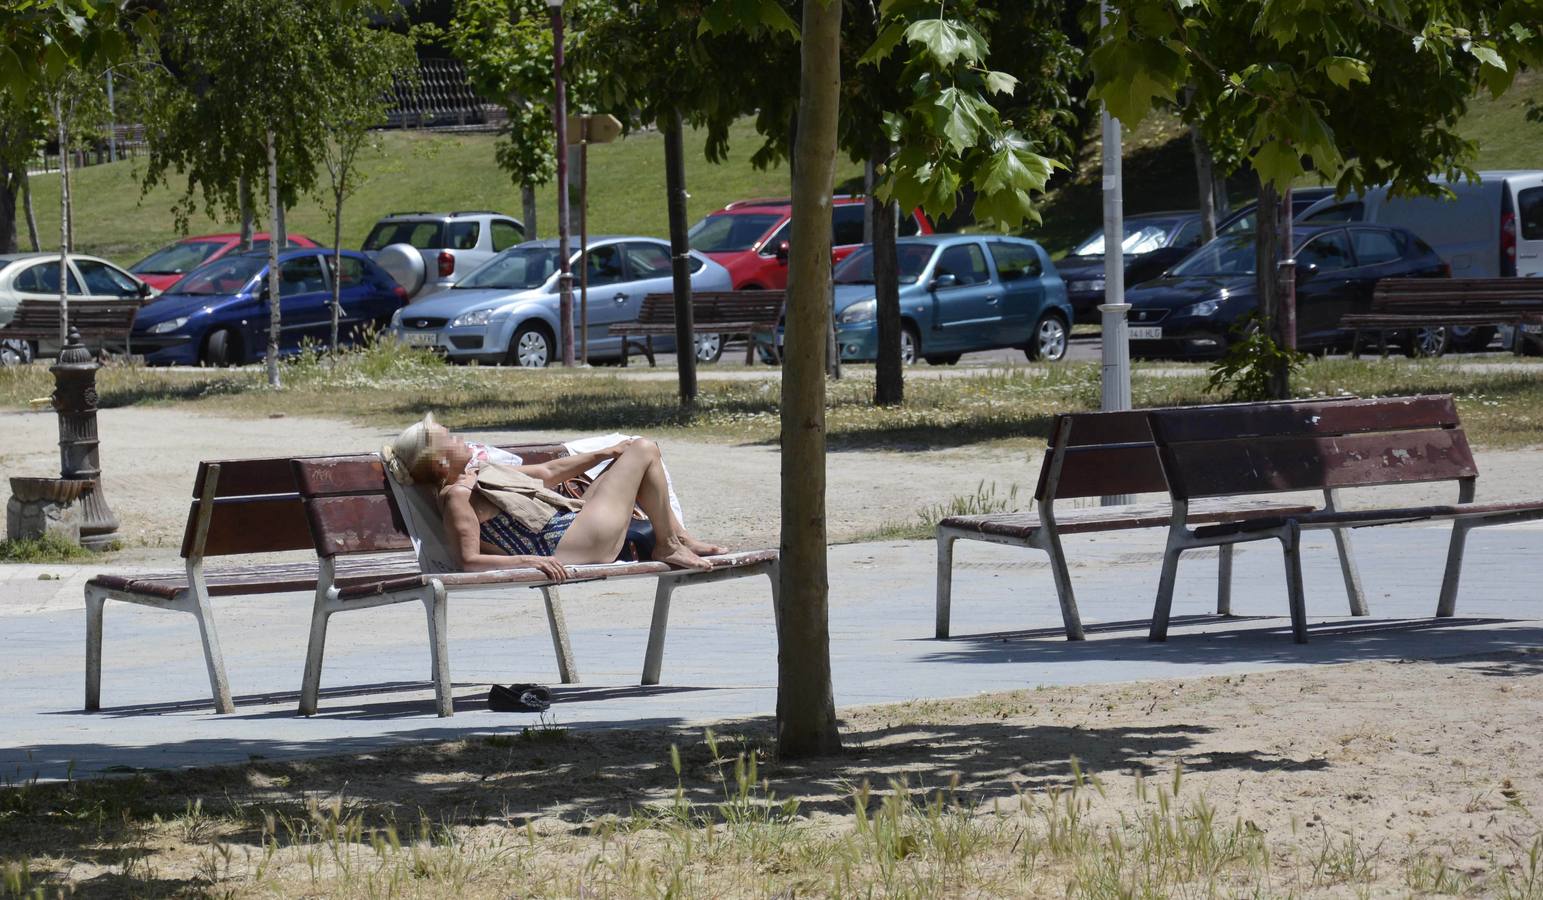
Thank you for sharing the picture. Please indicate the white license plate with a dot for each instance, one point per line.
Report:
(1532, 329)
(420, 338)
(1147, 333)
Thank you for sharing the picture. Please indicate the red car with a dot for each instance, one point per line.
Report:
(750, 237)
(166, 266)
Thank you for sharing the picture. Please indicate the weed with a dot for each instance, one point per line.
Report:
(50, 548)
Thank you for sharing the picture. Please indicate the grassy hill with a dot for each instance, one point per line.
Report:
(418, 170)
(438, 172)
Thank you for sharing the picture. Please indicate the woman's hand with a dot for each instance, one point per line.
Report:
(548, 566)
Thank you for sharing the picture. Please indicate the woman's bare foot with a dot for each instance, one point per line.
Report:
(702, 548)
(681, 557)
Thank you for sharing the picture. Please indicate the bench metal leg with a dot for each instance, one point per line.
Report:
(1224, 580)
(435, 605)
(1063, 588)
(1446, 606)
(648, 350)
(1165, 583)
(1291, 543)
(310, 683)
(214, 660)
(95, 601)
(566, 670)
(1347, 567)
(653, 659)
(774, 572)
(945, 583)
(750, 349)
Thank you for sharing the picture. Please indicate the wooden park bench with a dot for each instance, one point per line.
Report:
(1108, 454)
(1407, 304)
(749, 313)
(240, 507)
(354, 516)
(101, 324)
(1253, 450)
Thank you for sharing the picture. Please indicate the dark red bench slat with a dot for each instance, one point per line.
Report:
(1321, 418)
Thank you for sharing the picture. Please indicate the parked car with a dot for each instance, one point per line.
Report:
(35, 276)
(958, 294)
(1202, 304)
(750, 237)
(1153, 242)
(448, 246)
(217, 315)
(1244, 219)
(507, 310)
(164, 267)
(1492, 228)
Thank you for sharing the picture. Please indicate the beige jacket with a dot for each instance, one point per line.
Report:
(525, 499)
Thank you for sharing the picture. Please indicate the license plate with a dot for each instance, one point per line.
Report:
(1532, 329)
(1146, 334)
(420, 338)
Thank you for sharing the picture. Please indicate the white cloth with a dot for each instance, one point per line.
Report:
(420, 508)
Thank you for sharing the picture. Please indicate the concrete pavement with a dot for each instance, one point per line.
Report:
(720, 660)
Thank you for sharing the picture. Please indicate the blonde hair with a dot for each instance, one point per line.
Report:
(407, 457)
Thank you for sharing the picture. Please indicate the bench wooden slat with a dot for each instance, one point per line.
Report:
(1022, 525)
(1380, 516)
(1322, 418)
(355, 523)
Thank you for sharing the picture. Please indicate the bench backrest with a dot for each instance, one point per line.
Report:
(349, 507)
(256, 509)
(710, 307)
(1261, 448)
(1413, 295)
(86, 316)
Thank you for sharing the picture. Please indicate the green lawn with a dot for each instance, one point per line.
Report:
(417, 170)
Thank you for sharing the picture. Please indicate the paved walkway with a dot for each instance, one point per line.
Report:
(721, 657)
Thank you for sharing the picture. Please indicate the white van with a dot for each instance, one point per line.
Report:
(1492, 228)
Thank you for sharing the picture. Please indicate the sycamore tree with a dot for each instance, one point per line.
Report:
(1359, 92)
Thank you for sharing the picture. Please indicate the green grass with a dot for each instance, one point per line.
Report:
(424, 171)
(47, 549)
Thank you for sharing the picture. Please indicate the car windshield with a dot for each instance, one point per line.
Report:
(858, 268)
(183, 256)
(1140, 237)
(730, 233)
(1228, 255)
(223, 276)
(519, 269)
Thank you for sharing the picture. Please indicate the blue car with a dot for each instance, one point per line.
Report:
(959, 293)
(217, 315)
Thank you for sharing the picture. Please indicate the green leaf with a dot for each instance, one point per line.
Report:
(1488, 56)
(946, 42)
(1000, 83)
(1277, 162)
(884, 44)
(1343, 70)
(958, 117)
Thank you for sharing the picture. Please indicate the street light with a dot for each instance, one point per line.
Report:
(560, 112)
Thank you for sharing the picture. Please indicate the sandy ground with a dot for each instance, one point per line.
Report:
(729, 492)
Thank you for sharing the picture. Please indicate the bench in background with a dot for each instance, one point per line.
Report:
(749, 313)
(101, 324)
(1407, 304)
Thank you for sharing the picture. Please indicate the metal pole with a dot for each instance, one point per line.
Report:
(112, 120)
(565, 266)
(584, 240)
(1115, 333)
(680, 255)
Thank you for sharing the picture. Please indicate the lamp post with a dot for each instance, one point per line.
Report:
(560, 111)
(1114, 333)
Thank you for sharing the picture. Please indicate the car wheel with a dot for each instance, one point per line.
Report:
(910, 345)
(709, 347)
(222, 349)
(1049, 340)
(1426, 342)
(15, 353)
(943, 359)
(531, 347)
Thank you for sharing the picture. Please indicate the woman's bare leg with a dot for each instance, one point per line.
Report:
(600, 528)
(694, 544)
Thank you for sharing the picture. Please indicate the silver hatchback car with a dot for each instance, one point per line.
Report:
(35, 276)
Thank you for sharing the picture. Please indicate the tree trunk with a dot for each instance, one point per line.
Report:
(10, 187)
(1205, 178)
(280, 233)
(32, 219)
(1223, 202)
(244, 197)
(806, 714)
(64, 228)
(889, 386)
(273, 267)
(337, 259)
(67, 182)
(1288, 275)
(528, 202)
(680, 255)
(1266, 253)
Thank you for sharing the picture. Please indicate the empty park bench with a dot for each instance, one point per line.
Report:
(101, 324)
(1099, 454)
(750, 313)
(240, 507)
(1253, 450)
(354, 515)
(1407, 304)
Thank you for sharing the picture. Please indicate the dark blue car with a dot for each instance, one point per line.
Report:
(217, 315)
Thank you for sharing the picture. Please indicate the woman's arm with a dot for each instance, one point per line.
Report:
(464, 535)
(563, 468)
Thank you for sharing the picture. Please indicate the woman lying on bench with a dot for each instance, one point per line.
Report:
(498, 516)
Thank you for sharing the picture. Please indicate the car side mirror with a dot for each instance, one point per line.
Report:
(782, 253)
(1306, 272)
(946, 280)
(143, 289)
